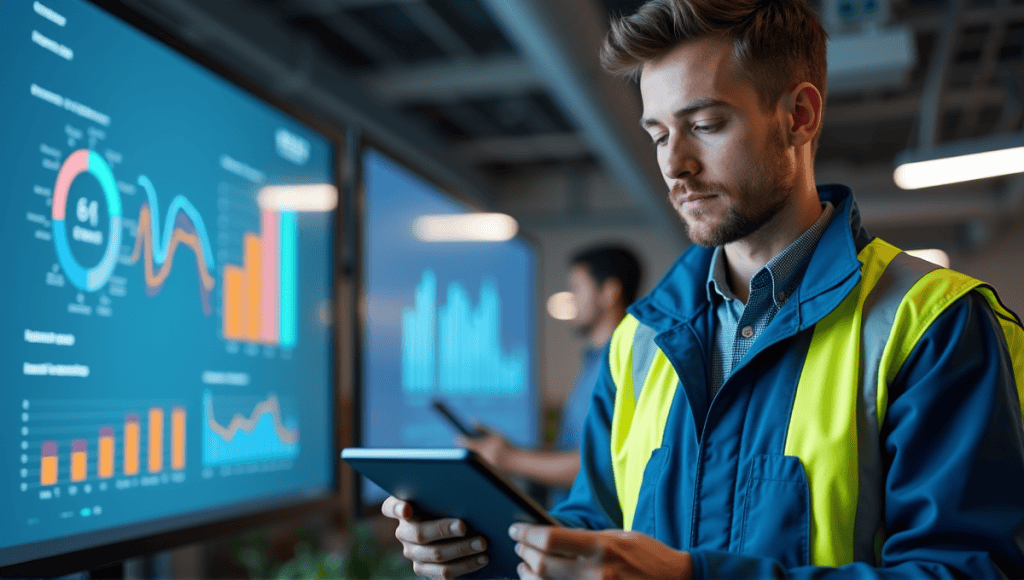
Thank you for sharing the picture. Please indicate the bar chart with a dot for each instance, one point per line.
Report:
(85, 444)
(260, 295)
(456, 348)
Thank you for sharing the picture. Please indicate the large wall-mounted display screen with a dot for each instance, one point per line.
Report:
(443, 320)
(166, 339)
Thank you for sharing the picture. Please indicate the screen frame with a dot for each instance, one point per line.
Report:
(54, 561)
(360, 507)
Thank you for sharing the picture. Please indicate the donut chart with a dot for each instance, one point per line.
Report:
(79, 162)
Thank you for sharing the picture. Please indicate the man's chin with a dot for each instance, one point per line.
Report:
(701, 234)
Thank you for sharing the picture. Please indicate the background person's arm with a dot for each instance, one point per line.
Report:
(551, 468)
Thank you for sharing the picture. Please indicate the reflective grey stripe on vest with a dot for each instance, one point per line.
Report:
(877, 321)
(642, 355)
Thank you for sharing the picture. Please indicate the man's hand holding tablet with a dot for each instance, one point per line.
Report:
(437, 548)
(453, 509)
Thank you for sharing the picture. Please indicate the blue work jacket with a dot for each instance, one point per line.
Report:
(951, 442)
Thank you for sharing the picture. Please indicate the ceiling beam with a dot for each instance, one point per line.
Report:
(437, 29)
(933, 21)
(360, 37)
(561, 39)
(450, 81)
(878, 110)
(938, 68)
(322, 86)
(471, 121)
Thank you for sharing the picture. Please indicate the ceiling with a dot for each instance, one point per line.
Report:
(475, 91)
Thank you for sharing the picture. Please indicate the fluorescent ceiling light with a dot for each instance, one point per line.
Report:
(959, 162)
(312, 197)
(937, 257)
(561, 306)
(465, 227)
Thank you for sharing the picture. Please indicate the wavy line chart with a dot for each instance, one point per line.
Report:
(183, 225)
(262, 436)
(179, 204)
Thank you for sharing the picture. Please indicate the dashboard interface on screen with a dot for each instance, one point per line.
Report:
(453, 321)
(166, 342)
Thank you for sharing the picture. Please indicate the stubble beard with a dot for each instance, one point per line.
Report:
(758, 201)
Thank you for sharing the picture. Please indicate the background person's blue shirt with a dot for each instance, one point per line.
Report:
(574, 414)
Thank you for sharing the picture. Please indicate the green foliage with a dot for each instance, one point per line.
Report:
(365, 561)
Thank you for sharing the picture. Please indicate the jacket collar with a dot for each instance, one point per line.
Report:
(680, 296)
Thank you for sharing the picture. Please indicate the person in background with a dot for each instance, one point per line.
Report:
(603, 281)
(796, 398)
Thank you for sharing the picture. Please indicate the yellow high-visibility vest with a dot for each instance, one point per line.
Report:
(856, 350)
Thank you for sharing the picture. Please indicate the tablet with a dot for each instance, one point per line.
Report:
(455, 483)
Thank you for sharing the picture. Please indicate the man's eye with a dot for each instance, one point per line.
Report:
(707, 128)
(658, 141)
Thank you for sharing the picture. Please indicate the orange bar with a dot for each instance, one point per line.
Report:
(79, 459)
(178, 438)
(106, 445)
(253, 260)
(48, 471)
(131, 445)
(156, 439)
(234, 301)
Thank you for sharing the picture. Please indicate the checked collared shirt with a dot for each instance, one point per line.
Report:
(738, 324)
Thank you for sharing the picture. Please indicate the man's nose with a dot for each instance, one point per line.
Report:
(679, 161)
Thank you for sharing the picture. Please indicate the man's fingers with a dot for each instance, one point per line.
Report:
(396, 508)
(564, 542)
(442, 552)
(543, 565)
(450, 569)
(430, 531)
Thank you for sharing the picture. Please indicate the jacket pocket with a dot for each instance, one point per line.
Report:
(646, 514)
(776, 511)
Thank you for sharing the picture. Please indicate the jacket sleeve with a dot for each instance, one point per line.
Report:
(592, 502)
(953, 452)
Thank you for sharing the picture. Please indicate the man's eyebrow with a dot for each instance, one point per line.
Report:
(694, 106)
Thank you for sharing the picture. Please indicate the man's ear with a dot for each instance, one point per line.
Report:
(610, 292)
(804, 106)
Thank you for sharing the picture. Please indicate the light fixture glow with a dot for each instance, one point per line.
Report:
(932, 172)
(934, 256)
(466, 227)
(561, 306)
(312, 197)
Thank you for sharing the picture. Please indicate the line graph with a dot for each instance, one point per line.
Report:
(183, 225)
(262, 436)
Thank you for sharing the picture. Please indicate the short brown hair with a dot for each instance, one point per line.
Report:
(775, 42)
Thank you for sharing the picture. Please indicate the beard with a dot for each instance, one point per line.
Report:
(760, 198)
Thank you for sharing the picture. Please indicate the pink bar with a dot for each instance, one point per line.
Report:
(77, 162)
(270, 234)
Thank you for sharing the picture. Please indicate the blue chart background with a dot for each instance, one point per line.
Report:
(395, 263)
(172, 121)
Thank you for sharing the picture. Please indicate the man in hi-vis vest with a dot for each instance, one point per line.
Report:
(795, 398)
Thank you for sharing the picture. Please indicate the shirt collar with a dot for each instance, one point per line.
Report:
(782, 270)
